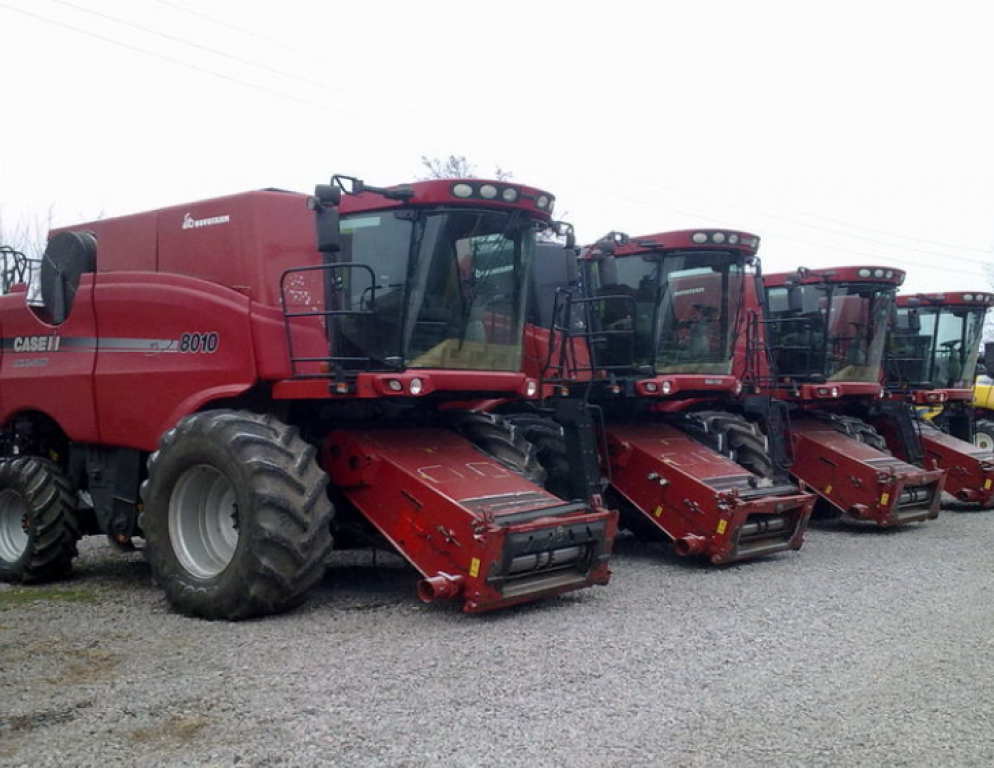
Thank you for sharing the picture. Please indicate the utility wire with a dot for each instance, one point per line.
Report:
(191, 44)
(242, 30)
(807, 225)
(895, 234)
(161, 57)
(773, 233)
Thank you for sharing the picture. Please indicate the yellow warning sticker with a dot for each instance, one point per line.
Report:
(884, 498)
(722, 525)
(987, 484)
(658, 511)
(828, 489)
(474, 567)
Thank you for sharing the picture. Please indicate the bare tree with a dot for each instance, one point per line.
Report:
(29, 236)
(455, 167)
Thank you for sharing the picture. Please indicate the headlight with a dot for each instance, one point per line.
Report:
(416, 386)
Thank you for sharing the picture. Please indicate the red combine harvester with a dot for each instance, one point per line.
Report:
(195, 375)
(826, 332)
(931, 365)
(646, 329)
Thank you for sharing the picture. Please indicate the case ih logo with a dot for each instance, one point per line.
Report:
(37, 343)
(191, 223)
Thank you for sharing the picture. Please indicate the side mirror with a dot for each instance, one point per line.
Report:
(988, 358)
(914, 321)
(795, 299)
(612, 241)
(328, 194)
(327, 232)
(565, 230)
(608, 269)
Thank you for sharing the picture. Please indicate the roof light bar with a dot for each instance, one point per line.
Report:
(719, 238)
(465, 190)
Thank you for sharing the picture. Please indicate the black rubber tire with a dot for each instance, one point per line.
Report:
(865, 433)
(501, 440)
(49, 520)
(550, 449)
(281, 514)
(732, 436)
(985, 429)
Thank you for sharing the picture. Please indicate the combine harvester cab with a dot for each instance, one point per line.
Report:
(825, 339)
(931, 366)
(646, 331)
(235, 379)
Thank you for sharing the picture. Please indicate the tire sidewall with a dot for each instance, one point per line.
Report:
(12, 478)
(179, 583)
(987, 430)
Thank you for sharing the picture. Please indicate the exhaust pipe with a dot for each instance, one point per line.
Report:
(442, 587)
(690, 545)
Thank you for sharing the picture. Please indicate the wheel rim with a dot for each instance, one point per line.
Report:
(983, 441)
(14, 537)
(203, 521)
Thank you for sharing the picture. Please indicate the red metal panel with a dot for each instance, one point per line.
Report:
(50, 368)
(969, 469)
(706, 503)
(168, 345)
(457, 515)
(863, 483)
(242, 241)
(124, 242)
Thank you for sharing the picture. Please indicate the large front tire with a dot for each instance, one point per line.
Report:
(548, 438)
(38, 525)
(732, 436)
(501, 440)
(237, 516)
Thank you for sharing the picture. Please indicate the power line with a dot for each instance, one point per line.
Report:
(242, 30)
(773, 233)
(841, 233)
(198, 46)
(895, 234)
(161, 57)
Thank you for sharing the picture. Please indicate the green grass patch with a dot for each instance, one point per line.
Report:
(21, 596)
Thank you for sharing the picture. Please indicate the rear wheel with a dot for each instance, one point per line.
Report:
(500, 439)
(38, 525)
(983, 435)
(237, 516)
(732, 436)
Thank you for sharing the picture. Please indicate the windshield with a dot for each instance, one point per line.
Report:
(439, 289)
(936, 346)
(829, 332)
(672, 313)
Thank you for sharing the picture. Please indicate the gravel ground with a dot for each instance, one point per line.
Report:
(866, 648)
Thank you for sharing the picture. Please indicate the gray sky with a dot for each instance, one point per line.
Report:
(843, 132)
